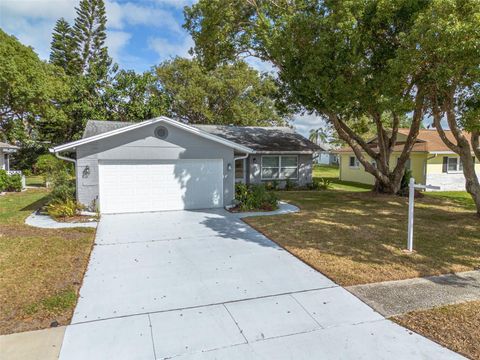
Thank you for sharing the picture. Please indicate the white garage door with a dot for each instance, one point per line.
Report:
(157, 186)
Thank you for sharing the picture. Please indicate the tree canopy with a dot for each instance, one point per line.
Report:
(231, 93)
(30, 90)
(337, 59)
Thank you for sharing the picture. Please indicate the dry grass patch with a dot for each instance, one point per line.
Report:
(359, 237)
(454, 326)
(41, 270)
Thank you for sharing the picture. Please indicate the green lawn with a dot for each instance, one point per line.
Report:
(41, 270)
(332, 173)
(35, 180)
(355, 236)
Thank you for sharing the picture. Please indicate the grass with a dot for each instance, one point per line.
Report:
(454, 326)
(41, 270)
(358, 237)
(35, 180)
(332, 173)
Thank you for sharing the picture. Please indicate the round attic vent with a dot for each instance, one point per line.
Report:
(161, 132)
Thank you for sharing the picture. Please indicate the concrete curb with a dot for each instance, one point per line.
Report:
(283, 208)
(46, 222)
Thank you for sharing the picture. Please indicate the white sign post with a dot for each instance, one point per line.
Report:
(411, 206)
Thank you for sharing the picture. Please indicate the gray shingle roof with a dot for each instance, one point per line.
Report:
(262, 139)
(95, 127)
(271, 139)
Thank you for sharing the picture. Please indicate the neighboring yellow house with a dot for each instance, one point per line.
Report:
(431, 162)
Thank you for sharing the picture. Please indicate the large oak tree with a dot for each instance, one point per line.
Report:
(335, 58)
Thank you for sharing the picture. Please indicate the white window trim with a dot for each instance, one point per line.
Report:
(459, 170)
(279, 168)
(357, 163)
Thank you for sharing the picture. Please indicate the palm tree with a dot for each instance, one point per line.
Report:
(318, 136)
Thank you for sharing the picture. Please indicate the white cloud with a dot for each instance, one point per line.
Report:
(120, 14)
(166, 48)
(116, 42)
(37, 9)
(175, 3)
(304, 123)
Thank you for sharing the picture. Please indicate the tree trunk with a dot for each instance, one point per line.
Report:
(472, 185)
(460, 146)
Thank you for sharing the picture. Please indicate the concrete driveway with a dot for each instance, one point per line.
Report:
(204, 285)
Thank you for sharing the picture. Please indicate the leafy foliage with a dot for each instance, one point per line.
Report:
(228, 94)
(255, 197)
(29, 89)
(320, 184)
(134, 97)
(62, 209)
(10, 182)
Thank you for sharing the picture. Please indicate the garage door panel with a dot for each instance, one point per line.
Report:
(158, 186)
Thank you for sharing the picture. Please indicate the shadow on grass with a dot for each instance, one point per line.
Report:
(36, 204)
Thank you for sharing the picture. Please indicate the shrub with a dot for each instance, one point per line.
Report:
(320, 184)
(255, 197)
(10, 182)
(50, 166)
(3, 180)
(14, 183)
(289, 184)
(62, 209)
(63, 188)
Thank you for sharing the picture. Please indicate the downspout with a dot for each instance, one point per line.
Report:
(241, 157)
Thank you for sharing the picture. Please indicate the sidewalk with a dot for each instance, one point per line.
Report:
(32, 345)
(392, 298)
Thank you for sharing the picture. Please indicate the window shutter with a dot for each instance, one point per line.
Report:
(445, 164)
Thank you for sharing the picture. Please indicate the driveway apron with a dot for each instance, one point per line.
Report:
(205, 285)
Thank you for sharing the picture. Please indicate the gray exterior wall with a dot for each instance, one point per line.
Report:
(304, 169)
(141, 144)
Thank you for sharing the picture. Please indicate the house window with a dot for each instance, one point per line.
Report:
(279, 167)
(452, 164)
(353, 162)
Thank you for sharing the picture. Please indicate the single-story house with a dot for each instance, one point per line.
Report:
(163, 164)
(5, 151)
(328, 156)
(431, 162)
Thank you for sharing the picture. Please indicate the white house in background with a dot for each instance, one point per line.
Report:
(327, 156)
(5, 151)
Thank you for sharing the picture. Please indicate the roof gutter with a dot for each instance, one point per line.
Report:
(57, 154)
